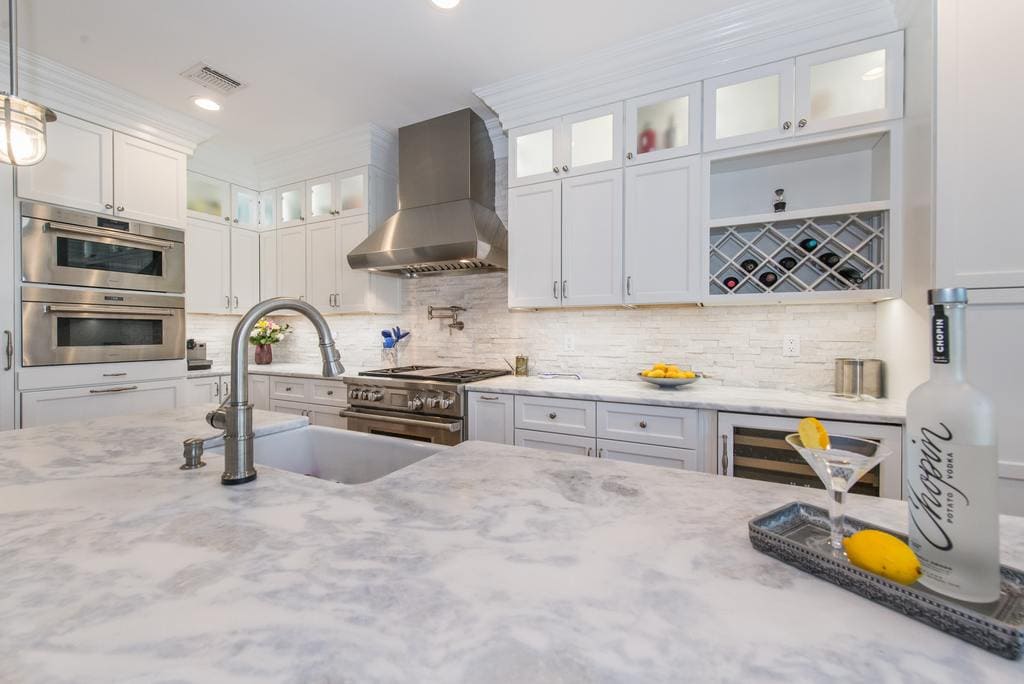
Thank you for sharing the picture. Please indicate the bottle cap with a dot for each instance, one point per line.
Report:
(947, 295)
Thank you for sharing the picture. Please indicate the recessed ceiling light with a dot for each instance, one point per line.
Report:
(206, 103)
(874, 74)
(445, 4)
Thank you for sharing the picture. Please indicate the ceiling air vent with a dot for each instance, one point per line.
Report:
(207, 76)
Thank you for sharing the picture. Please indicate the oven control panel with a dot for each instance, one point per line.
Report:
(437, 399)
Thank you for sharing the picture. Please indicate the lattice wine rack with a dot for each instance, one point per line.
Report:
(819, 254)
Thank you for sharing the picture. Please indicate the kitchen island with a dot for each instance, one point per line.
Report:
(482, 563)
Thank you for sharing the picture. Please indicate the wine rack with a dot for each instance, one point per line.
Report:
(838, 252)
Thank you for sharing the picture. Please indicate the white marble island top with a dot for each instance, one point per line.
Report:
(484, 563)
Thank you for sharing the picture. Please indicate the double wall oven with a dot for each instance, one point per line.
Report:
(99, 289)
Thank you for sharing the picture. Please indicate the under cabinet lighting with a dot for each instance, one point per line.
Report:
(445, 4)
(206, 103)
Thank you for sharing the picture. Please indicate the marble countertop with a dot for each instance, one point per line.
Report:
(482, 563)
(703, 395)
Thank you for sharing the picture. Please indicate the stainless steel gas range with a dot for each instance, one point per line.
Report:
(422, 403)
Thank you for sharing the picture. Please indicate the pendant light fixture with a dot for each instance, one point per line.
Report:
(23, 128)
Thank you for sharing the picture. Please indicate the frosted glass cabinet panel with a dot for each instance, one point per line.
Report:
(244, 207)
(594, 140)
(663, 125)
(352, 193)
(291, 205)
(749, 106)
(208, 198)
(268, 205)
(534, 153)
(320, 199)
(850, 85)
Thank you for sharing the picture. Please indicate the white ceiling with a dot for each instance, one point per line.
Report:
(316, 67)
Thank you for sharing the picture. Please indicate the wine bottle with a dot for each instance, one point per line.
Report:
(951, 468)
(779, 202)
(768, 278)
(731, 282)
(830, 259)
(809, 244)
(852, 275)
(788, 263)
(748, 265)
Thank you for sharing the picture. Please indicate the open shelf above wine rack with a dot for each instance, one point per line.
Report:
(834, 252)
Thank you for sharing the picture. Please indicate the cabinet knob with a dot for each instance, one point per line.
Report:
(227, 218)
(801, 123)
(302, 218)
(330, 393)
(629, 155)
(552, 415)
(108, 205)
(287, 389)
(120, 207)
(787, 125)
(555, 169)
(565, 168)
(643, 424)
(236, 220)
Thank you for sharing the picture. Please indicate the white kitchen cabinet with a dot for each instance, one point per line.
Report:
(291, 205)
(592, 239)
(322, 265)
(259, 391)
(352, 189)
(207, 267)
(268, 210)
(321, 199)
(647, 454)
(657, 425)
(318, 415)
(580, 143)
(850, 85)
(360, 290)
(203, 390)
(289, 407)
(245, 269)
(750, 106)
(551, 441)
(662, 250)
(550, 414)
(78, 170)
(491, 417)
(268, 264)
(245, 207)
(208, 198)
(46, 407)
(535, 245)
(291, 262)
(663, 125)
(149, 181)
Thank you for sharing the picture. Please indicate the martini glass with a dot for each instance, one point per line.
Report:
(840, 466)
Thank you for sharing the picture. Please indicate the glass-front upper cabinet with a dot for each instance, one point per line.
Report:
(208, 198)
(534, 153)
(751, 106)
(291, 209)
(592, 140)
(850, 85)
(663, 125)
(244, 207)
(352, 188)
(268, 210)
(321, 199)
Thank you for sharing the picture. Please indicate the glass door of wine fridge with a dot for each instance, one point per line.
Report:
(754, 447)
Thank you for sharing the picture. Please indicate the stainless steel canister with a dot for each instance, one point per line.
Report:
(859, 377)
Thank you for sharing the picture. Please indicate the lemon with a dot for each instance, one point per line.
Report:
(813, 434)
(672, 368)
(687, 374)
(645, 372)
(672, 374)
(658, 373)
(660, 366)
(883, 554)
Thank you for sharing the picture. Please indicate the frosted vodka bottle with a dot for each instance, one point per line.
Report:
(951, 466)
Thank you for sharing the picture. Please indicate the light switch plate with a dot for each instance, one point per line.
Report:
(791, 345)
(569, 344)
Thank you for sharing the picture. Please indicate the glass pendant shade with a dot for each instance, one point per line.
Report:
(23, 131)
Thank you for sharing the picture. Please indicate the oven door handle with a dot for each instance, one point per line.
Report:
(113, 235)
(92, 308)
(455, 426)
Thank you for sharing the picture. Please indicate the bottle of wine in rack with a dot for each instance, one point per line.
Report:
(768, 278)
(788, 263)
(809, 244)
(852, 275)
(830, 259)
(731, 282)
(748, 265)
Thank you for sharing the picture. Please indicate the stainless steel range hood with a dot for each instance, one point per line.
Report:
(446, 221)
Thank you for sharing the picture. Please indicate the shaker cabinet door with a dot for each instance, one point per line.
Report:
(207, 267)
(534, 227)
(663, 125)
(534, 153)
(751, 106)
(149, 182)
(592, 239)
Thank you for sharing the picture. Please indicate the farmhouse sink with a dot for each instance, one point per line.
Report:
(338, 455)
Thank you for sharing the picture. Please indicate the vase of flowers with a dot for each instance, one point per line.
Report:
(265, 333)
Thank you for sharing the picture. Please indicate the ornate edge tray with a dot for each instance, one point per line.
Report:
(997, 627)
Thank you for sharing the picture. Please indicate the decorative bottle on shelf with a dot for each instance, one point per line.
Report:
(788, 263)
(731, 282)
(768, 278)
(830, 259)
(748, 265)
(670, 134)
(852, 275)
(809, 244)
(779, 203)
(647, 140)
(951, 467)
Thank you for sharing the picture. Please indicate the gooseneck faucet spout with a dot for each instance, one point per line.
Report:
(234, 416)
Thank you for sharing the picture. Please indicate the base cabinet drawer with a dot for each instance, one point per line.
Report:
(491, 417)
(550, 441)
(289, 389)
(325, 416)
(648, 454)
(327, 392)
(564, 416)
(661, 425)
(46, 407)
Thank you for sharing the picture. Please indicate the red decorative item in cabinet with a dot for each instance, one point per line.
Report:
(646, 141)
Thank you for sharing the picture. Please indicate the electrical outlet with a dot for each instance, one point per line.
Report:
(791, 345)
(569, 344)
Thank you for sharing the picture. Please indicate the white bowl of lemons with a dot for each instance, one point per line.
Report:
(668, 375)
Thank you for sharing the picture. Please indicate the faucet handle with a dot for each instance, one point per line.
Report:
(218, 418)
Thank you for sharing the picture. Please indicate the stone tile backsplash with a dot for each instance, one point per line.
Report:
(738, 345)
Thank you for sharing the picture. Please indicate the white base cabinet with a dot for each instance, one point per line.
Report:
(491, 417)
(46, 407)
(323, 416)
(647, 454)
(323, 401)
(552, 441)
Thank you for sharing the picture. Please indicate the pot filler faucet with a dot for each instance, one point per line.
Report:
(234, 416)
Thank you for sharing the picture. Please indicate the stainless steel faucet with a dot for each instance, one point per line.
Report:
(234, 416)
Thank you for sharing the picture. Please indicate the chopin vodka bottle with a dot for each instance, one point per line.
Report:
(950, 466)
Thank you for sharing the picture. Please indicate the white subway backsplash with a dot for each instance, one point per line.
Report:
(737, 345)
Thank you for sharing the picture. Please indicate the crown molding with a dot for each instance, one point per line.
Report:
(750, 34)
(365, 145)
(76, 93)
(499, 141)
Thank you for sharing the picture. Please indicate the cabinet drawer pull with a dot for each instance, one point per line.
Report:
(552, 415)
(600, 452)
(725, 454)
(330, 393)
(287, 389)
(8, 350)
(590, 452)
(629, 285)
(114, 389)
(643, 424)
(565, 289)
(487, 398)
(115, 375)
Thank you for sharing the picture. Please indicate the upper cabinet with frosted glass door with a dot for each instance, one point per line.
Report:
(850, 85)
(572, 145)
(245, 207)
(291, 205)
(208, 198)
(751, 106)
(337, 195)
(663, 125)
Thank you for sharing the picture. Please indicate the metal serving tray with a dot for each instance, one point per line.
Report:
(997, 627)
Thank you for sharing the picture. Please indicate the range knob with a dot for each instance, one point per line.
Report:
(446, 403)
(364, 394)
(415, 404)
(432, 402)
(376, 395)
(353, 394)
